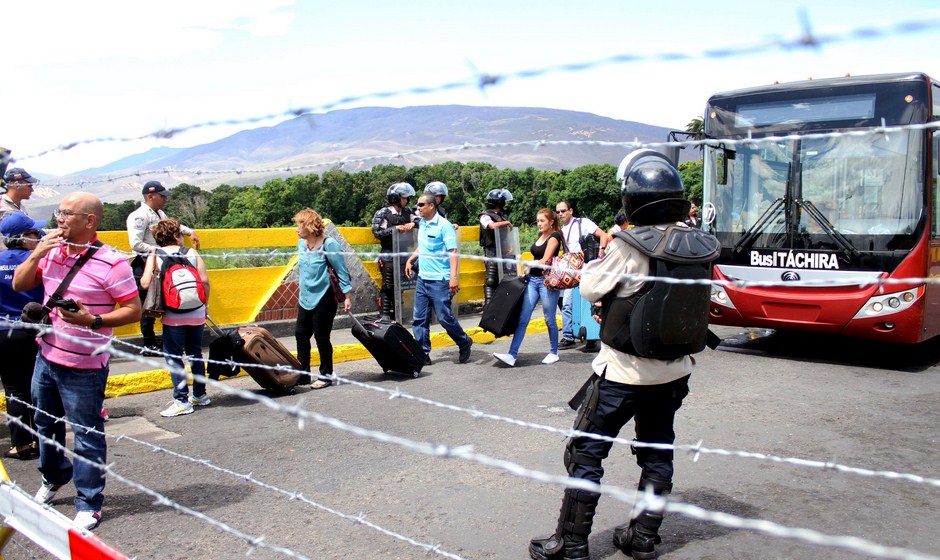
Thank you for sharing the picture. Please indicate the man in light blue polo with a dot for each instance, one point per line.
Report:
(438, 280)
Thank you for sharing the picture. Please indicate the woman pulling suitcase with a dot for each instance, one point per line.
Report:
(320, 257)
(545, 248)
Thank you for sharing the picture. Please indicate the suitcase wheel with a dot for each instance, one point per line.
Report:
(416, 374)
(582, 334)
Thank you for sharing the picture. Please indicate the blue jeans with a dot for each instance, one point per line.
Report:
(567, 331)
(176, 340)
(77, 395)
(436, 293)
(535, 290)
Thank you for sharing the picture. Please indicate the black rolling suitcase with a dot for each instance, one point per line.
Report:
(501, 314)
(392, 346)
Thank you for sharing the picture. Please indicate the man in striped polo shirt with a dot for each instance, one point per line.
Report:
(69, 378)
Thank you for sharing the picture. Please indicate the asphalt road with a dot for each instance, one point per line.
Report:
(856, 404)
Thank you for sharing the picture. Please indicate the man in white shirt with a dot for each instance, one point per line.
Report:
(140, 238)
(572, 229)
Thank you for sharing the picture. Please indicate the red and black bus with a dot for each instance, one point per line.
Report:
(805, 189)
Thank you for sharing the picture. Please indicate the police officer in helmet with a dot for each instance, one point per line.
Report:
(395, 216)
(643, 367)
(439, 190)
(491, 219)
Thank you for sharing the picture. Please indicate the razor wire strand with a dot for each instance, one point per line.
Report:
(695, 450)
(358, 519)
(159, 499)
(482, 81)
(466, 453)
(836, 280)
(712, 142)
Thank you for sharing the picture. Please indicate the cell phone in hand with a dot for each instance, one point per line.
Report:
(67, 304)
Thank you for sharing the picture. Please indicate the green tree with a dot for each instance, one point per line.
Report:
(691, 173)
(219, 202)
(593, 191)
(115, 215)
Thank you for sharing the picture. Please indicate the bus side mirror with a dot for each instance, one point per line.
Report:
(721, 165)
(672, 154)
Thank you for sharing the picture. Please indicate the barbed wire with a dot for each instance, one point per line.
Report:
(874, 278)
(160, 499)
(358, 519)
(695, 450)
(646, 501)
(713, 142)
(807, 39)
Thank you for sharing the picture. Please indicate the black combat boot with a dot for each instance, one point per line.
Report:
(639, 537)
(570, 540)
(632, 541)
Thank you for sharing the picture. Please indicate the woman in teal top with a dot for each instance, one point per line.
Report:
(318, 303)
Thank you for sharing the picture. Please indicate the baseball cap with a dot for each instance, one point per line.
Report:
(17, 223)
(155, 187)
(18, 174)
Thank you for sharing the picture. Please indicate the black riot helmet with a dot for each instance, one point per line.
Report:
(398, 190)
(497, 198)
(651, 189)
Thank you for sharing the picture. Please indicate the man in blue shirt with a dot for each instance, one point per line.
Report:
(438, 280)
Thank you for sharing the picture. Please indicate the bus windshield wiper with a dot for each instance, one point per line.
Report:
(850, 250)
(752, 232)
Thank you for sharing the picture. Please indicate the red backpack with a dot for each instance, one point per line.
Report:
(182, 286)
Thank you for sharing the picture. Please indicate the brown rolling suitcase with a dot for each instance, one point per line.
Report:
(260, 347)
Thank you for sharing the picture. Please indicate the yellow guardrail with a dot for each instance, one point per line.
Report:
(238, 294)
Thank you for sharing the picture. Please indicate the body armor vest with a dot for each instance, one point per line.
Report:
(488, 235)
(391, 219)
(664, 320)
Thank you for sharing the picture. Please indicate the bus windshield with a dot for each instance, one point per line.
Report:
(860, 184)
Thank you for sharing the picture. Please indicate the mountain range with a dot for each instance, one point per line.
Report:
(365, 137)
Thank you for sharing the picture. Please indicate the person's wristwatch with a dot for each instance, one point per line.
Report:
(98, 323)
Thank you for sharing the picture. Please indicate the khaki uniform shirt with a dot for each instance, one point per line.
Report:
(621, 367)
(139, 234)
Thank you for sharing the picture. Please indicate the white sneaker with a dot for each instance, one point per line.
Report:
(46, 492)
(505, 358)
(177, 408)
(200, 401)
(87, 520)
(550, 359)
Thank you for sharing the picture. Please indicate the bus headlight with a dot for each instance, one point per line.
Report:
(720, 296)
(887, 304)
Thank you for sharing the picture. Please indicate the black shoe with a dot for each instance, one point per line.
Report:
(590, 346)
(150, 351)
(464, 356)
(567, 343)
(557, 548)
(304, 379)
(634, 543)
(427, 360)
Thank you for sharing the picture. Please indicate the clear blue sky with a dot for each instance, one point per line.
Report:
(77, 71)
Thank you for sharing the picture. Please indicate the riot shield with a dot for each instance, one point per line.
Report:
(507, 247)
(403, 244)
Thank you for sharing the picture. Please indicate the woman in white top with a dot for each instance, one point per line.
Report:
(182, 328)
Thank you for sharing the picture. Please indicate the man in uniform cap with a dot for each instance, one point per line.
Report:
(17, 187)
(140, 238)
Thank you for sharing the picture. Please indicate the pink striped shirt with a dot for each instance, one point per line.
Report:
(104, 280)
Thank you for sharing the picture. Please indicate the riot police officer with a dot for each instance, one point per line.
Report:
(643, 367)
(396, 216)
(490, 219)
(439, 190)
